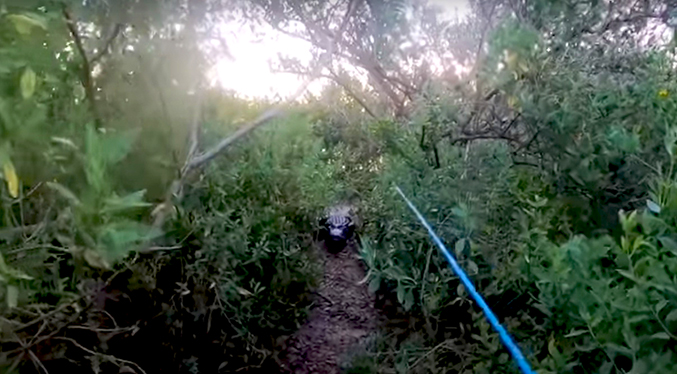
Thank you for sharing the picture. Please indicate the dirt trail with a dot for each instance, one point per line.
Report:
(341, 321)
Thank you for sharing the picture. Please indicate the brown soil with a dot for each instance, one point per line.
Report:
(340, 322)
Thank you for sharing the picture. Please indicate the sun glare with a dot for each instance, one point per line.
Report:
(249, 72)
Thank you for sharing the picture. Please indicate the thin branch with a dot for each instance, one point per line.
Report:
(483, 136)
(152, 249)
(151, 77)
(629, 19)
(102, 52)
(112, 358)
(512, 122)
(194, 133)
(478, 53)
(87, 80)
(528, 143)
(53, 312)
(197, 161)
(334, 77)
(12, 231)
(355, 97)
(200, 160)
(525, 163)
(443, 344)
(381, 80)
(36, 362)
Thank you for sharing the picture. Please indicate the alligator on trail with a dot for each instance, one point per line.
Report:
(343, 316)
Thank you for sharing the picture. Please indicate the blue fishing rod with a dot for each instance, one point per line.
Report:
(514, 350)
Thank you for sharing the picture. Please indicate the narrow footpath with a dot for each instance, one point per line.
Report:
(342, 320)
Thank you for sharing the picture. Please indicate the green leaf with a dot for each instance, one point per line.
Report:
(4, 269)
(655, 208)
(668, 243)
(118, 238)
(672, 316)
(65, 141)
(552, 349)
(400, 293)
(95, 260)
(660, 335)
(27, 83)
(375, 284)
(133, 200)
(25, 23)
(472, 268)
(669, 141)
(627, 274)
(575, 333)
(65, 192)
(408, 300)
(7, 118)
(459, 247)
(12, 296)
(102, 151)
(460, 290)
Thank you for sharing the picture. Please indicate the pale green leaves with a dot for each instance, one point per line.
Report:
(102, 151)
(653, 207)
(459, 247)
(116, 203)
(622, 140)
(11, 277)
(670, 140)
(12, 296)
(64, 192)
(106, 233)
(26, 23)
(27, 83)
(672, 316)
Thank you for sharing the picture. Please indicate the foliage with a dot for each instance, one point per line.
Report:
(85, 278)
(549, 169)
(534, 220)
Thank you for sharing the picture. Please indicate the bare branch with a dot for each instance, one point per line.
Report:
(483, 136)
(351, 93)
(102, 52)
(109, 357)
(480, 45)
(200, 160)
(510, 125)
(196, 161)
(194, 132)
(341, 82)
(86, 79)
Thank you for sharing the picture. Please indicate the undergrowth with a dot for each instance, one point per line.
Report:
(555, 189)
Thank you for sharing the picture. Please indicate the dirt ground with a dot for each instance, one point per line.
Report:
(342, 320)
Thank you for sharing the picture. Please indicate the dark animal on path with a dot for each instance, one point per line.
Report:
(337, 229)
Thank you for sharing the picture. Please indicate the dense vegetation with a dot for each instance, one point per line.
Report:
(538, 137)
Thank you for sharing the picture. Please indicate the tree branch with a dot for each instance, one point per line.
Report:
(194, 132)
(86, 79)
(200, 160)
(196, 161)
(512, 122)
(107, 44)
(352, 94)
(338, 80)
(470, 138)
